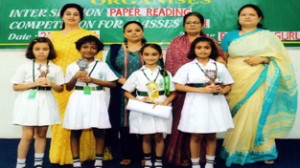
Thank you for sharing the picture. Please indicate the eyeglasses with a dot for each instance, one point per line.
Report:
(190, 23)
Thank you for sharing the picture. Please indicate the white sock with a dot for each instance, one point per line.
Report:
(158, 161)
(195, 162)
(147, 158)
(76, 162)
(148, 163)
(38, 159)
(21, 163)
(210, 161)
(98, 161)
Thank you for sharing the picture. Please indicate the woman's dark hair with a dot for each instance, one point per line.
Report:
(214, 51)
(71, 5)
(89, 39)
(29, 52)
(137, 23)
(198, 15)
(258, 11)
(163, 71)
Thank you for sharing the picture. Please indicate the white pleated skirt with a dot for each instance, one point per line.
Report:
(87, 111)
(40, 111)
(205, 113)
(140, 123)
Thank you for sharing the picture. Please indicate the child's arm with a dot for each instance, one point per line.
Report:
(54, 86)
(36, 83)
(206, 89)
(128, 95)
(103, 83)
(21, 87)
(79, 75)
(224, 89)
(122, 80)
(169, 99)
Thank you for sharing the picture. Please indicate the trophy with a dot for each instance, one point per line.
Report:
(153, 92)
(44, 70)
(212, 76)
(83, 64)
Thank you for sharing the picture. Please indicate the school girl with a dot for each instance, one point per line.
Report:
(205, 111)
(35, 107)
(153, 85)
(87, 105)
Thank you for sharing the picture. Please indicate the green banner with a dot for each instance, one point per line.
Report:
(162, 19)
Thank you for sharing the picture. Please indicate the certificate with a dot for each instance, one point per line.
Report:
(149, 108)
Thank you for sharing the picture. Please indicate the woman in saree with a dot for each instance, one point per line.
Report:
(263, 99)
(64, 44)
(177, 144)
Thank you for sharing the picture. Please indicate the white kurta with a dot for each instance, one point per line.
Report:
(88, 111)
(43, 109)
(140, 123)
(204, 112)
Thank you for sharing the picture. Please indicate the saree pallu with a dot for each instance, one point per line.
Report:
(263, 99)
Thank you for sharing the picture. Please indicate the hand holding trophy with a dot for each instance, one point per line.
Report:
(83, 65)
(212, 76)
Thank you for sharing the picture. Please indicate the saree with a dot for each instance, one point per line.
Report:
(263, 99)
(60, 149)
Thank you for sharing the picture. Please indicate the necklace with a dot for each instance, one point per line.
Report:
(133, 53)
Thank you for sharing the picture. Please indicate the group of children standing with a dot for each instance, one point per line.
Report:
(205, 111)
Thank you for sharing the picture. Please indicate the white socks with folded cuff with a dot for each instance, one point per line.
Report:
(38, 159)
(21, 163)
(195, 162)
(210, 160)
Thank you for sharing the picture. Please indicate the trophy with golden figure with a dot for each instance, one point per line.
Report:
(153, 91)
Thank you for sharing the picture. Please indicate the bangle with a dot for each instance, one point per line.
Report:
(263, 60)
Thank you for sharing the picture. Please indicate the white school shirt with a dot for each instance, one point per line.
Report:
(24, 73)
(191, 73)
(101, 72)
(137, 80)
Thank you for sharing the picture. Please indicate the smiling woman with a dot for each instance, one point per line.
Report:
(124, 60)
(263, 99)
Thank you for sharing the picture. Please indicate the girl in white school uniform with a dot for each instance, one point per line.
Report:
(150, 77)
(205, 111)
(35, 106)
(87, 105)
